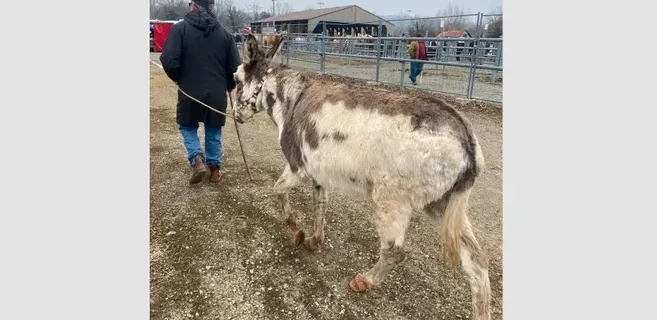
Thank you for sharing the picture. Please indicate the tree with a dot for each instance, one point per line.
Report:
(495, 24)
(219, 7)
(231, 16)
(168, 9)
(236, 17)
(283, 8)
(171, 15)
(263, 15)
(453, 23)
(402, 26)
(424, 27)
(228, 13)
(154, 9)
(254, 8)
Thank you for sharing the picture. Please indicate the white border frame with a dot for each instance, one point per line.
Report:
(579, 162)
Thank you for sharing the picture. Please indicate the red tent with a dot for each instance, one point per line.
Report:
(160, 33)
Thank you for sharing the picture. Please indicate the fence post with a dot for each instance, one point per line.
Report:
(395, 49)
(283, 51)
(322, 57)
(473, 57)
(288, 52)
(498, 61)
(402, 70)
(378, 50)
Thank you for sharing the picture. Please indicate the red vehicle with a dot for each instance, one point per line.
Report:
(159, 33)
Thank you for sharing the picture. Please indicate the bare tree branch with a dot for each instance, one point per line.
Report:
(283, 7)
(168, 9)
(455, 23)
(495, 24)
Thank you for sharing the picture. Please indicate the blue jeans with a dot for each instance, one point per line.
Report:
(193, 144)
(416, 68)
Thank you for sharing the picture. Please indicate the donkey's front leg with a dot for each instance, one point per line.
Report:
(320, 198)
(282, 187)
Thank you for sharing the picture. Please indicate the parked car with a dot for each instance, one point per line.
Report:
(156, 26)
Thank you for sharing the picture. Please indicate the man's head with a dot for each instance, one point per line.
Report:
(195, 4)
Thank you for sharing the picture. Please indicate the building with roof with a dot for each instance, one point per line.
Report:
(346, 20)
(454, 34)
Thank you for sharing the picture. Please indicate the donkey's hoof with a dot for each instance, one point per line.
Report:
(312, 243)
(360, 284)
(298, 237)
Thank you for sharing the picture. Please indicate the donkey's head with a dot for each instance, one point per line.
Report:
(251, 77)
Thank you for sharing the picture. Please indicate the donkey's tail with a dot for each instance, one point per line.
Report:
(455, 218)
(452, 223)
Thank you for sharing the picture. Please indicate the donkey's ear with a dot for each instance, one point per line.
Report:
(275, 50)
(251, 50)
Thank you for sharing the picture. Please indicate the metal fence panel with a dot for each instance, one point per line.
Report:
(468, 65)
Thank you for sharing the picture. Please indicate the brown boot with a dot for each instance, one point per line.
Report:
(215, 173)
(199, 170)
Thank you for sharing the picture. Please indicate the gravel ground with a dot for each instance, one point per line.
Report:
(223, 252)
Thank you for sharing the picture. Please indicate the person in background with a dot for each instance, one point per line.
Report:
(417, 50)
(201, 56)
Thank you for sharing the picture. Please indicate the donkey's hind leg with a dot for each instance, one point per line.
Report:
(282, 187)
(320, 198)
(459, 242)
(391, 220)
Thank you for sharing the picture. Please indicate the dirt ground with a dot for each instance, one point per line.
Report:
(223, 252)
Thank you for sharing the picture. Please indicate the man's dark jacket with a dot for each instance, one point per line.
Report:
(201, 57)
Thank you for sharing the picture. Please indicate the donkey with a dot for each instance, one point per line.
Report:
(271, 39)
(419, 156)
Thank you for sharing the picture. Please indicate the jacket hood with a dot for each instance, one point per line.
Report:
(203, 20)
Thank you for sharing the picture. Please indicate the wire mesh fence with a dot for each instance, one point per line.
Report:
(459, 61)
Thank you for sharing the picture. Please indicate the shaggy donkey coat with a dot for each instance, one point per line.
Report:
(420, 156)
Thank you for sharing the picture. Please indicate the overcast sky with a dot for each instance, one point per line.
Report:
(387, 7)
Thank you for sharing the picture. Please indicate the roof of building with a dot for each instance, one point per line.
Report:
(303, 15)
(453, 34)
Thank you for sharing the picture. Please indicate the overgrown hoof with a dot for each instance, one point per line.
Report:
(312, 243)
(298, 237)
(360, 284)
